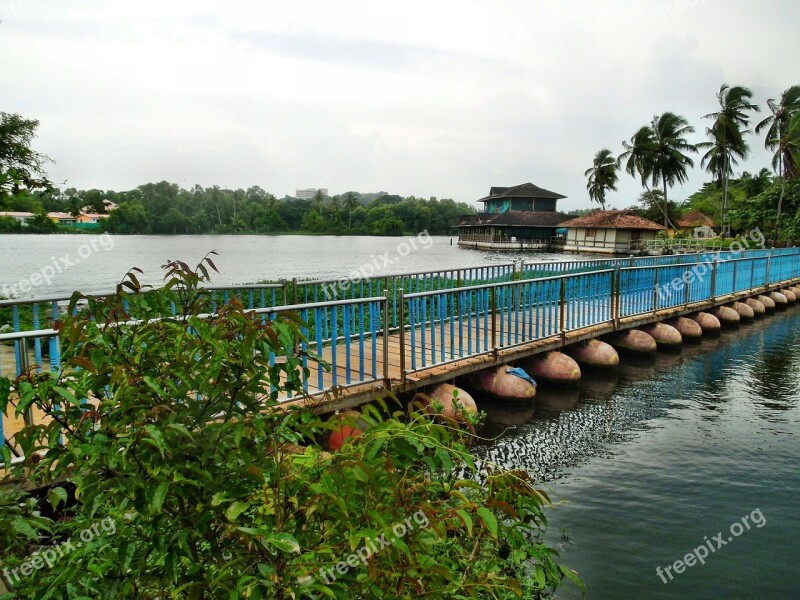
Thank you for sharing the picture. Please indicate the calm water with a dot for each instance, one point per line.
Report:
(242, 258)
(671, 452)
(648, 464)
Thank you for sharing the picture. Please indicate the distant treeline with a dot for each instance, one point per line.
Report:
(166, 208)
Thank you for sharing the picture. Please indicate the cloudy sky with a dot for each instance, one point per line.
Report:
(433, 98)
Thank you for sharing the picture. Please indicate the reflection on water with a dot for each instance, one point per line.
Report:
(676, 448)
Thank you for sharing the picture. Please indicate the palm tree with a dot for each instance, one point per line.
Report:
(638, 155)
(793, 141)
(670, 160)
(726, 137)
(334, 204)
(790, 156)
(602, 176)
(318, 199)
(777, 139)
(657, 154)
(349, 204)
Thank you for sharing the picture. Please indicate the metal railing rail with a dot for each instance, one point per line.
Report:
(435, 327)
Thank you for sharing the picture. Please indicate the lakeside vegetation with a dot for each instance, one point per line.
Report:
(166, 208)
(659, 155)
(211, 489)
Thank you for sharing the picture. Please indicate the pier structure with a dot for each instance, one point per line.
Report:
(407, 332)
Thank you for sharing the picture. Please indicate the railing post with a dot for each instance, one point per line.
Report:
(294, 290)
(615, 293)
(562, 305)
(766, 273)
(655, 288)
(387, 383)
(734, 277)
(402, 320)
(714, 280)
(493, 306)
(686, 287)
(22, 349)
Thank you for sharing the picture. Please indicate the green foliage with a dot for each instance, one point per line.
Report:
(782, 132)
(761, 210)
(21, 168)
(708, 199)
(602, 176)
(171, 432)
(165, 208)
(653, 207)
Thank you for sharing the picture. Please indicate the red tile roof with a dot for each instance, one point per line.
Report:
(695, 219)
(612, 219)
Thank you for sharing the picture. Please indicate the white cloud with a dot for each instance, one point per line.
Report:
(440, 98)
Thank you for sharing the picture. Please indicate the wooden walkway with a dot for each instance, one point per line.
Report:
(460, 347)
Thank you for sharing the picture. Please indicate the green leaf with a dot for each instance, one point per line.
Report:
(22, 526)
(488, 517)
(154, 386)
(125, 555)
(158, 496)
(57, 496)
(181, 429)
(235, 509)
(284, 542)
(157, 438)
(66, 395)
(466, 518)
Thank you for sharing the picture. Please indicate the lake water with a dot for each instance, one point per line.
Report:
(242, 258)
(672, 453)
(649, 464)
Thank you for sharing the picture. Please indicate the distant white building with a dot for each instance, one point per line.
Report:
(308, 193)
(22, 217)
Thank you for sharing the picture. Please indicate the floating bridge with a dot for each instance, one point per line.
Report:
(408, 331)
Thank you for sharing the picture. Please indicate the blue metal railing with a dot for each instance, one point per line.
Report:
(445, 318)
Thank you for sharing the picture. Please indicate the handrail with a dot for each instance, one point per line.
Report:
(411, 274)
(496, 315)
(472, 288)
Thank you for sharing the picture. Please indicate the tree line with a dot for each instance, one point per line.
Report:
(659, 155)
(166, 208)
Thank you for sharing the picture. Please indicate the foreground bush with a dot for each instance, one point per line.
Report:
(191, 481)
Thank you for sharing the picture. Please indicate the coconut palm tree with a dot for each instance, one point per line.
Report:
(349, 204)
(778, 124)
(726, 135)
(638, 155)
(790, 155)
(657, 154)
(318, 199)
(670, 155)
(602, 176)
(333, 202)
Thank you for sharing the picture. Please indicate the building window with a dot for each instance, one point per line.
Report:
(591, 232)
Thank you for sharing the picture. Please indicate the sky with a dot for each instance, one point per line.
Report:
(437, 98)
